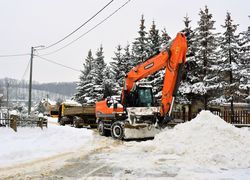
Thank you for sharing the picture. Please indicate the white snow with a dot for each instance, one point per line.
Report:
(33, 143)
(142, 110)
(205, 148)
(13, 112)
(71, 103)
(207, 140)
(51, 102)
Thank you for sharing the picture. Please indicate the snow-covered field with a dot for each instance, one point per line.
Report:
(33, 143)
(204, 148)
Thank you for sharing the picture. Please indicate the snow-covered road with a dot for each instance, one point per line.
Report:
(204, 148)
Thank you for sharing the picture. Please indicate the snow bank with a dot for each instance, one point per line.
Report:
(206, 141)
(33, 143)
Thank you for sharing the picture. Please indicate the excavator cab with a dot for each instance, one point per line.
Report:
(141, 96)
(145, 97)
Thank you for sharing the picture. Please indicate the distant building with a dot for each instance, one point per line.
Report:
(1, 97)
(49, 107)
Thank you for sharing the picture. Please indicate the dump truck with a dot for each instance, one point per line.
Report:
(77, 115)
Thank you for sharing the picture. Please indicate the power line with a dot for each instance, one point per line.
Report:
(79, 26)
(109, 16)
(14, 55)
(26, 69)
(54, 62)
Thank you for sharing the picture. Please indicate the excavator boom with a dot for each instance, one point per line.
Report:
(172, 60)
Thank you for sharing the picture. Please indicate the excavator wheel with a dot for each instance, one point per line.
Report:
(101, 130)
(117, 131)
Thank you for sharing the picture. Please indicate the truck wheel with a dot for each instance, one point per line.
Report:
(75, 124)
(117, 131)
(93, 126)
(101, 130)
(61, 122)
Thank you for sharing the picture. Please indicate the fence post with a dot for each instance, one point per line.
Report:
(13, 123)
(46, 120)
(248, 117)
(40, 123)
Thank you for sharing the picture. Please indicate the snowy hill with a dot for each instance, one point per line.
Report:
(18, 90)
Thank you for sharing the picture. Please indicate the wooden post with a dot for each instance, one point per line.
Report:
(248, 117)
(13, 123)
(40, 123)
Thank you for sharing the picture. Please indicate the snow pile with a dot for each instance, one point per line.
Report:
(71, 103)
(33, 143)
(53, 120)
(206, 141)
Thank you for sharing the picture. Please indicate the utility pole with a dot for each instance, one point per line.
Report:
(8, 115)
(249, 26)
(30, 84)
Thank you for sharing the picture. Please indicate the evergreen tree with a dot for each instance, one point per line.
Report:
(118, 67)
(244, 70)
(229, 61)
(190, 74)
(140, 45)
(153, 40)
(98, 75)
(206, 79)
(156, 42)
(128, 59)
(110, 87)
(154, 49)
(165, 38)
(85, 85)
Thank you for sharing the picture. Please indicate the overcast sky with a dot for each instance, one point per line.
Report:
(26, 23)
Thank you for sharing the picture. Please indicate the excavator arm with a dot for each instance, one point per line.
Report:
(172, 59)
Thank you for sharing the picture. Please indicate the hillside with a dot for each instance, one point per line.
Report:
(18, 90)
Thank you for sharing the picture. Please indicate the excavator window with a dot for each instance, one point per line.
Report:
(140, 97)
(145, 97)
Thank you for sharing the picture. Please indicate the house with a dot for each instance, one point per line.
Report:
(48, 107)
(1, 97)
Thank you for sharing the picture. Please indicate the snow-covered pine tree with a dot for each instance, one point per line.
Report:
(127, 58)
(154, 48)
(85, 85)
(98, 75)
(229, 62)
(190, 74)
(140, 45)
(164, 38)
(155, 43)
(245, 66)
(206, 79)
(110, 83)
(118, 67)
(153, 40)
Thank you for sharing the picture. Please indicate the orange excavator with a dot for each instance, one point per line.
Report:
(135, 115)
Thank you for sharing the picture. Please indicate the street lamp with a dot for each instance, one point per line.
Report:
(31, 66)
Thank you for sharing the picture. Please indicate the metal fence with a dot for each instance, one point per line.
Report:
(237, 117)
